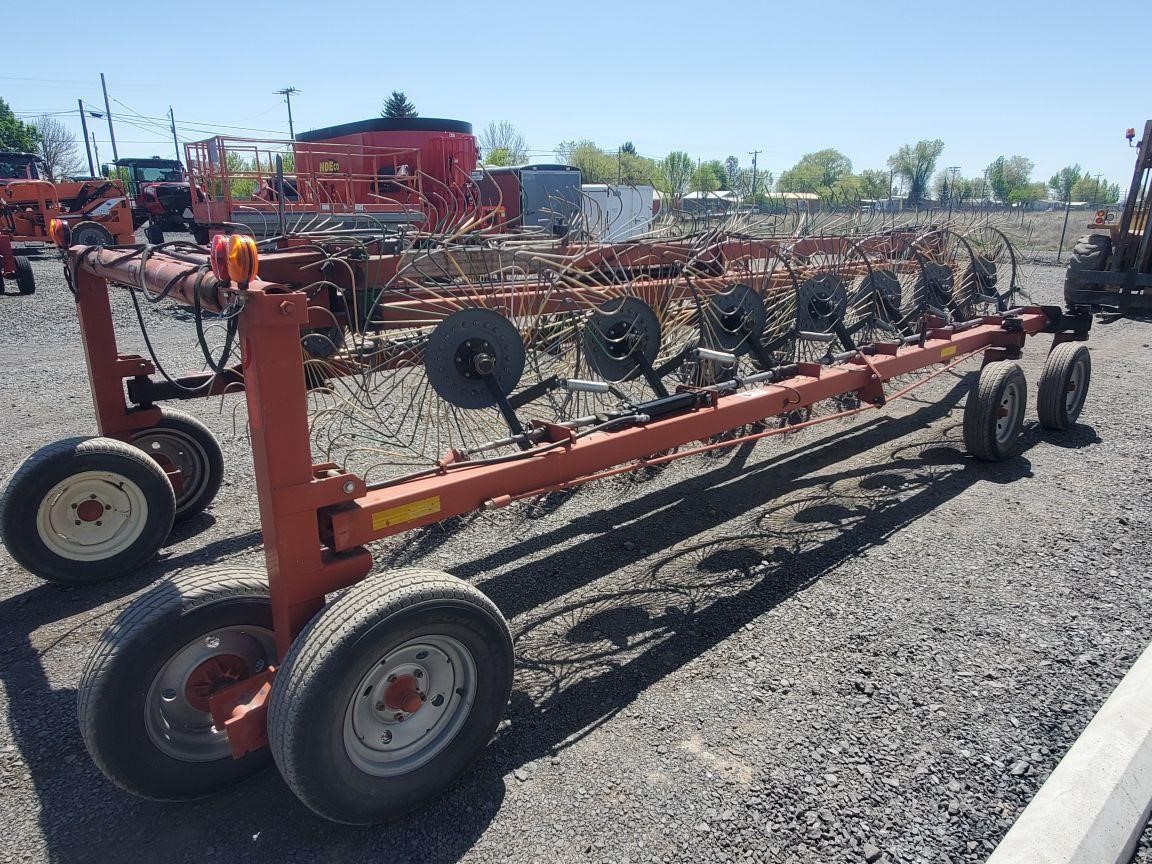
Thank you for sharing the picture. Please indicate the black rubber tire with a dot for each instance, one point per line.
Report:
(1051, 400)
(330, 658)
(25, 279)
(113, 691)
(1090, 253)
(199, 234)
(89, 233)
(198, 443)
(982, 411)
(154, 234)
(28, 487)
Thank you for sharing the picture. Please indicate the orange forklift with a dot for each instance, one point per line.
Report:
(95, 212)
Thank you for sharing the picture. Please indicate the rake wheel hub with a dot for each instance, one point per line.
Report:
(821, 303)
(733, 319)
(618, 333)
(468, 347)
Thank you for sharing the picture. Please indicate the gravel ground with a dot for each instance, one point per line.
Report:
(855, 644)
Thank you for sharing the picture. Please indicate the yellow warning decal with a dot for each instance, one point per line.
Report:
(405, 512)
(947, 351)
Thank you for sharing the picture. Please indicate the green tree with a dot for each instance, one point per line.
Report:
(1064, 181)
(498, 156)
(506, 137)
(628, 148)
(636, 170)
(1029, 193)
(595, 165)
(955, 189)
(705, 179)
(397, 105)
(874, 184)
(676, 170)
(1095, 191)
(820, 172)
(1009, 174)
(709, 177)
(15, 134)
(914, 163)
(241, 179)
(732, 169)
(963, 189)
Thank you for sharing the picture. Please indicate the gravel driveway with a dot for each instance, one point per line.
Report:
(853, 644)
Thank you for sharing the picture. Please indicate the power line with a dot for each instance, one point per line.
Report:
(193, 125)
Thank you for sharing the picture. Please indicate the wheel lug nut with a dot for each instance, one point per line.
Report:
(385, 737)
(418, 673)
(399, 718)
(391, 678)
(380, 706)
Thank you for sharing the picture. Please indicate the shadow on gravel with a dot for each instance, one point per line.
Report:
(598, 623)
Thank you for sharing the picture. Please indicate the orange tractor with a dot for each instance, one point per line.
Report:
(95, 212)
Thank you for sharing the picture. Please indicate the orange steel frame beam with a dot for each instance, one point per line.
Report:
(317, 518)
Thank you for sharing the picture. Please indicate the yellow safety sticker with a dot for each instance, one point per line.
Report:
(947, 351)
(405, 512)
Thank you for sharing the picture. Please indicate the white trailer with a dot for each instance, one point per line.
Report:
(612, 214)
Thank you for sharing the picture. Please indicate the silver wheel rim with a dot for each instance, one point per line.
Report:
(175, 709)
(1075, 393)
(1008, 413)
(410, 706)
(91, 516)
(181, 451)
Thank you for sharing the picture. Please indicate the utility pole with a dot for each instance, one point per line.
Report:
(953, 170)
(287, 94)
(96, 147)
(87, 144)
(175, 140)
(1096, 192)
(1064, 230)
(754, 154)
(108, 112)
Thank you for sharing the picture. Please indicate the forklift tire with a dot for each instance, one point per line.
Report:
(89, 233)
(994, 412)
(86, 510)
(25, 281)
(154, 234)
(1091, 253)
(1064, 385)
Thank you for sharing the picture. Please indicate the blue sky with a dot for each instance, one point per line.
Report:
(715, 79)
